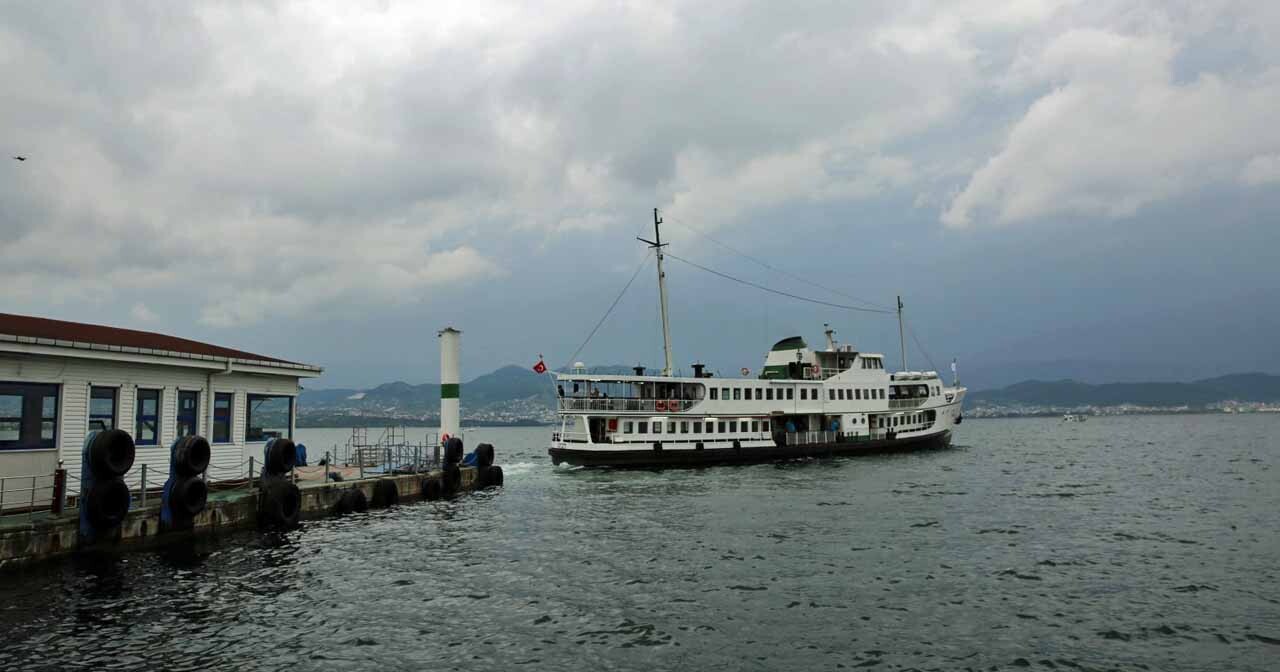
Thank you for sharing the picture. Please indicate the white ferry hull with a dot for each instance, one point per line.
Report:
(659, 455)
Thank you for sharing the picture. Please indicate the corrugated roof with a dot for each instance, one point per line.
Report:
(79, 332)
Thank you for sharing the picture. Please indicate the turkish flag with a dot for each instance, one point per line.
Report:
(540, 367)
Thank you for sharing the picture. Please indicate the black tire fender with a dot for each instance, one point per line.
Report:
(282, 456)
(191, 455)
(280, 503)
(451, 480)
(111, 453)
(493, 476)
(107, 503)
(484, 455)
(385, 493)
(189, 496)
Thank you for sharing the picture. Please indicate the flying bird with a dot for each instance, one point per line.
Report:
(20, 158)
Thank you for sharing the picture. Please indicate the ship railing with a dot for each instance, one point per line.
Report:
(622, 405)
(907, 403)
(809, 438)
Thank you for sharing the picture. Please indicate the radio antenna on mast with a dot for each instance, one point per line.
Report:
(656, 244)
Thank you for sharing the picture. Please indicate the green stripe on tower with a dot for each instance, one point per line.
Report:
(450, 390)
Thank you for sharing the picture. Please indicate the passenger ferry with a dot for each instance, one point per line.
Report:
(805, 402)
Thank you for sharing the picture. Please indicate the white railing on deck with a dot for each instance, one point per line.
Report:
(628, 405)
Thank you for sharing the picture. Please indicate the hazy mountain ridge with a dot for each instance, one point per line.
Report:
(1241, 387)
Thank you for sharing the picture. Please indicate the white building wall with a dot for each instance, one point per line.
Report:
(76, 376)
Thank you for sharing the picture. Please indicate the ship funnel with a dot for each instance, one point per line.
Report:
(697, 370)
(450, 383)
(831, 337)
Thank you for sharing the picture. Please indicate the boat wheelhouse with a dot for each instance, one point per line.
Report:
(805, 402)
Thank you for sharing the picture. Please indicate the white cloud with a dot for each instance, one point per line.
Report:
(1117, 130)
(142, 313)
(1264, 169)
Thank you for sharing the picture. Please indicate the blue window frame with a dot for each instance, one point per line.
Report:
(223, 404)
(147, 416)
(188, 413)
(268, 416)
(102, 408)
(28, 416)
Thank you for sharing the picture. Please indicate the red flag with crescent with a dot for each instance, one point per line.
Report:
(540, 367)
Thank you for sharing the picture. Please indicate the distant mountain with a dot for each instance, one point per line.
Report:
(1243, 387)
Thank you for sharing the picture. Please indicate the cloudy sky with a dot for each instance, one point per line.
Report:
(1095, 183)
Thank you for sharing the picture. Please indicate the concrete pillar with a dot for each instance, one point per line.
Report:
(450, 381)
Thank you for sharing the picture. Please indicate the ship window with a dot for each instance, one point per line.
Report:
(222, 402)
(657, 428)
(626, 428)
(714, 394)
(733, 426)
(755, 425)
(642, 428)
(764, 425)
(790, 393)
(831, 395)
(768, 394)
(724, 393)
(722, 427)
(697, 427)
(28, 415)
(684, 427)
(671, 428)
(759, 394)
(268, 417)
(102, 408)
(857, 393)
(737, 394)
(147, 414)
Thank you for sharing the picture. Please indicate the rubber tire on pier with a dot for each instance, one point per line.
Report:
(452, 480)
(282, 457)
(111, 453)
(453, 450)
(484, 455)
(357, 502)
(189, 496)
(279, 504)
(432, 489)
(191, 455)
(343, 506)
(492, 476)
(107, 503)
(385, 493)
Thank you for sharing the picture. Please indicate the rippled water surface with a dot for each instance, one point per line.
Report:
(1148, 543)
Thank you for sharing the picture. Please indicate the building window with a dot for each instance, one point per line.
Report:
(102, 409)
(790, 393)
(28, 416)
(714, 394)
(188, 413)
(268, 417)
(222, 403)
(147, 418)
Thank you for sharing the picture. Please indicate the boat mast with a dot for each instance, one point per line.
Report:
(902, 340)
(657, 245)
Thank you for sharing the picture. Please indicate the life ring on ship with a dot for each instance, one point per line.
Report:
(660, 404)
